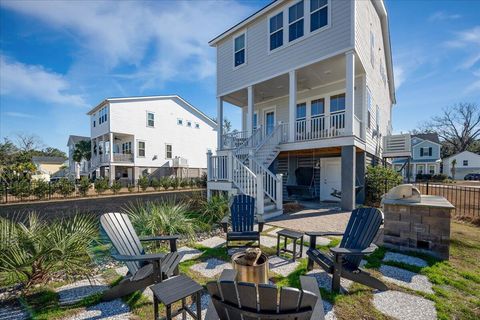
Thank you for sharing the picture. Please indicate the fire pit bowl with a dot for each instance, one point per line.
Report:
(257, 273)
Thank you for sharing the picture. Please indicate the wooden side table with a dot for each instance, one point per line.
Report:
(290, 234)
(175, 289)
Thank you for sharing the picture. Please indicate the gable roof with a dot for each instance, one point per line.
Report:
(179, 99)
(466, 151)
(48, 160)
(430, 136)
(72, 139)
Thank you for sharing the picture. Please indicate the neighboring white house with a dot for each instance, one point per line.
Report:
(150, 136)
(467, 162)
(425, 158)
(75, 169)
(314, 82)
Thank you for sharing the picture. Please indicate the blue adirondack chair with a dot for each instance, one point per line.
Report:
(344, 260)
(242, 219)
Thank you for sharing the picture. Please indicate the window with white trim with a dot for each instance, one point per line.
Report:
(255, 120)
(369, 108)
(372, 49)
(317, 107)
(318, 14)
(465, 163)
(239, 50)
(276, 31)
(295, 21)
(141, 148)
(102, 115)
(168, 151)
(301, 111)
(94, 121)
(150, 119)
(337, 103)
(431, 169)
(180, 122)
(426, 152)
(127, 148)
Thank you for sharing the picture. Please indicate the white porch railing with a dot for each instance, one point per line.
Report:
(218, 168)
(120, 157)
(320, 127)
(244, 178)
(234, 139)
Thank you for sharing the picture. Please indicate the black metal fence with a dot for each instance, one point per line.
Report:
(26, 191)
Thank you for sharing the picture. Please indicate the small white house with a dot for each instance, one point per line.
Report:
(467, 162)
(149, 136)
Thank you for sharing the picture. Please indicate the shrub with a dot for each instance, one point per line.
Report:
(41, 189)
(101, 185)
(184, 183)
(143, 183)
(130, 187)
(202, 183)
(116, 186)
(174, 183)
(378, 181)
(65, 187)
(165, 218)
(213, 210)
(84, 185)
(31, 251)
(439, 177)
(165, 183)
(21, 188)
(155, 183)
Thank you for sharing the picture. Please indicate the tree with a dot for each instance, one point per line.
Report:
(28, 142)
(82, 151)
(7, 151)
(453, 169)
(54, 152)
(227, 125)
(458, 127)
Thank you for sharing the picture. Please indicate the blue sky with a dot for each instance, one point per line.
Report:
(58, 59)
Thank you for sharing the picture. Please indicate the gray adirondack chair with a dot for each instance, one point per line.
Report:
(236, 301)
(143, 269)
(242, 219)
(344, 260)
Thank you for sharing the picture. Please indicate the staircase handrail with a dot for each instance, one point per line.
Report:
(250, 142)
(270, 179)
(244, 178)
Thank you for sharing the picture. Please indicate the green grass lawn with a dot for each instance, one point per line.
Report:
(456, 283)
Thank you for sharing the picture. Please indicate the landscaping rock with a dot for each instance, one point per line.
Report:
(324, 280)
(406, 278)
(282, 266)
(74, 292)
(122, 271)
(398, 257)
(403, 306)
(188, 253)
(13, 313)
(212, 242)
(111, 310)
(211, 268)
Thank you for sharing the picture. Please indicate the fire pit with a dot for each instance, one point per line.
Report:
(251, 266)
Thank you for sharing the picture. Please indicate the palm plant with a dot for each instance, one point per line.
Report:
(31, 251)
(215, 209)
(82, 151)
(165, 218)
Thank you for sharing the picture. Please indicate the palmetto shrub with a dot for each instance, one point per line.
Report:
(184, 183)
(116, 187)
(211, 211)
(174, 183)
(31, 251)
(101, 185)
(161, 218)
(155, 183)
(84, 185)
(143, 183)
(165, 183)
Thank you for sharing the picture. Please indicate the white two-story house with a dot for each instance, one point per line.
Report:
(314, 82)
(149, 136)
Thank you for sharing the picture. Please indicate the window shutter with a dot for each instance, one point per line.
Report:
(421, 152)
(430, 151)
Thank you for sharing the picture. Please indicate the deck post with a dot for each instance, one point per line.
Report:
(292, 104)
(349, 92)
(279, 189)
(219, 123)
(110, 137)
(260, 197)
(249, 110)
(361, 167)
(348, 178)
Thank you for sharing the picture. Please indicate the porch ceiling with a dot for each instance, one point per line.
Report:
(312, 76)
(319, 152)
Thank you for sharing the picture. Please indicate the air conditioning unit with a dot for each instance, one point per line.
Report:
(180, 162)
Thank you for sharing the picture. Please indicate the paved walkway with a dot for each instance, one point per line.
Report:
(315, 217)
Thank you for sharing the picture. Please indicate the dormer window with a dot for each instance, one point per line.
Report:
(295, 21)
(276, 31)
(318, 14)
(239, 50)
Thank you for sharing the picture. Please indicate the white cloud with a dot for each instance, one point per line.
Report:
(21, 80)
(474, 87)
(157, 41)
(399, 73)
(442, 16)
(18, 115)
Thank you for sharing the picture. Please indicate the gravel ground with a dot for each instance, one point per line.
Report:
(398, 257)
(212, 242)
(274, 231)
(403, 306)
(76, 291)
(406, 278)
(204, 301)
(112, 310)
(282, 266)
(324, 280)
(321, 241)
(211, 268)
(329, 311)
(268, 241)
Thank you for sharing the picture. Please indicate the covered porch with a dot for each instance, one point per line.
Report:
(113, 147)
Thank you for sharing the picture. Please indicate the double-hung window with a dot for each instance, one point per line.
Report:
(276, 31)
(141, 148)
(465, 163)
(301, 111)
(318, 107)
(301, 123)
(318, 14)
(127, 148)
(168, 151)
(337, 108)
(317, 110)
(150, 119)
(295, 21)
(239, 50)
(369, 107)
(424, 152)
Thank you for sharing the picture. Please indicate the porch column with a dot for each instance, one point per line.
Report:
(249, 110)
(349, 92)
(219, 122)
(292, 104)
(348, 178)
(111, 146)
(111, 177)
(361, 167)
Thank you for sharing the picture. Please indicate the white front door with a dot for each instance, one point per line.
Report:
(330, 178)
